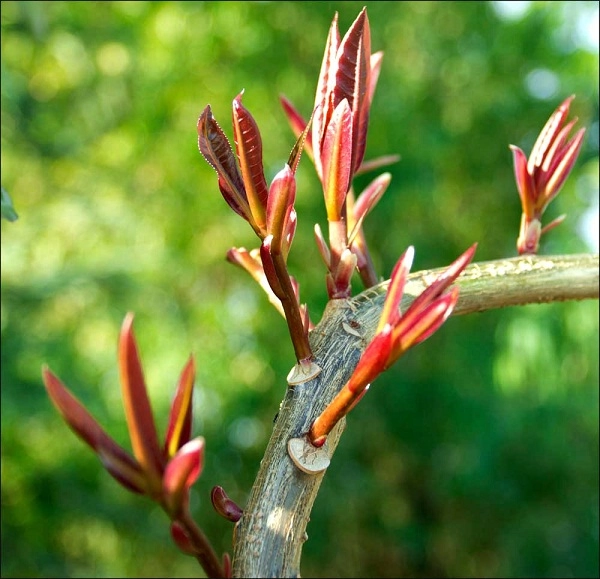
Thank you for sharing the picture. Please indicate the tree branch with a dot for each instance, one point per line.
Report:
(270, 534)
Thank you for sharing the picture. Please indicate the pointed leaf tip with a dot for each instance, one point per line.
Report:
(248, 145)
(180, 417)
(390, 312)
(138, 412)
(115, 459)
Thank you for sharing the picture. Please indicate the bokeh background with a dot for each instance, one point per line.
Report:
(476, 455)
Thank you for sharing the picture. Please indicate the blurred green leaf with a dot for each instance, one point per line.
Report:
(8, 211)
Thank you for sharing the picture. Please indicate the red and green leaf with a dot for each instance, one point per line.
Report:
(282, 195)
(215, 148)
(181, 473)
(562, 164)
(352, 80)
(322, 110)
(418, 325)
(301, 143)
(138, 412)
(179, 429)
(119, 463)
(249, 149)
(390, 313)
(524, 179)
(548, 134)
(365, 203)
(224, 505)
(337, 160)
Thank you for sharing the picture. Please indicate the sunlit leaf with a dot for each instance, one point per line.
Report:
(337, 160)
(142, 430)
(215, 148)
(119, 463)
(179, 428)
(249, 149)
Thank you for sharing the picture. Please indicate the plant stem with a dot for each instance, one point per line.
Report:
(205, 554)
(291, 308)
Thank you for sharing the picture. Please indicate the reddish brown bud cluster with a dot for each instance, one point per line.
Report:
(395, 334)
(540, 178)
(163, 473)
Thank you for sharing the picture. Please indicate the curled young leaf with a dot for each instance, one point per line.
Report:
(224, 505)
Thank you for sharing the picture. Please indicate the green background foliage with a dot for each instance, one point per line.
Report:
(476, 455)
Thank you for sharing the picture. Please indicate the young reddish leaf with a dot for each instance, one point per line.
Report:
(215, 148)
(524, 180)
(119, 463)
(233, 200)
(394, 334)
(376, 163)
(360, 126)
(249, 149)
(296, 120)
(547, 135)
(179, 429)
(553, 224)
(390, 313)
(343, 274)
(540, 178)
(413, 329)
(138, 412)
(224, 505)
(336, 156)
(133, 479)
(376, 60)
(365, 202)
(301, 142)
(289, 230)
(182, 539)
(350, 70)
(562, 165)
(227, 569)
(322, 246)
(371, 196)
(444, 280)
(370, 365)
(352, 81)
(322, 110)
(373, 360)
(282, 195)
(181, 473)
(556, 148)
